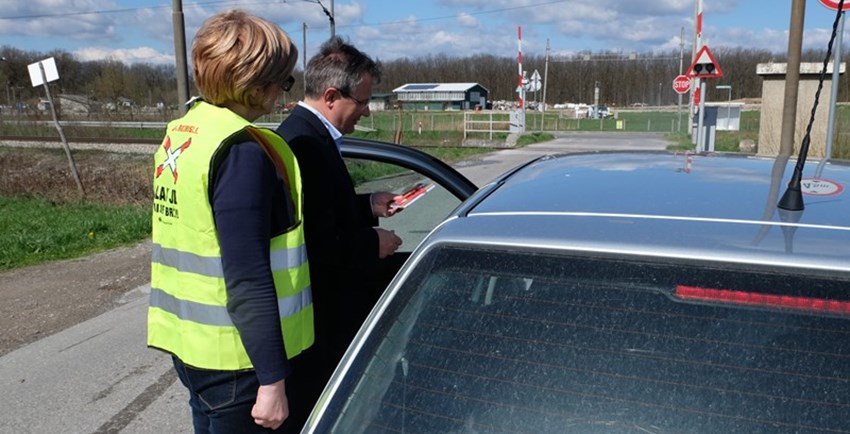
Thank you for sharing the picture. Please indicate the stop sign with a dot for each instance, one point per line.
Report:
(681, 84)
(832, 4)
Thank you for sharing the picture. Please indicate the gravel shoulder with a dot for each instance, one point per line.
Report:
(41, 300)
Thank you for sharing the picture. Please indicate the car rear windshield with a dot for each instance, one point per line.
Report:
(493, 341)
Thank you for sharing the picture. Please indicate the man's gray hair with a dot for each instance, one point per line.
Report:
(338, 65)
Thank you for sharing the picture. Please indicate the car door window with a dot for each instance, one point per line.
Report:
(414, 222)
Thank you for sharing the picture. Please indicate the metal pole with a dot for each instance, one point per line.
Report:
(330, 14)
(729, 110)
(700, 133)
(681, 65)
(833, 99)
(8, 101)
(180, 56)
(595, 97)
(659, 94)
(304, 55)
(792, 77)
(3, 59)
(695, 84)
(67, 148)
(545, 78)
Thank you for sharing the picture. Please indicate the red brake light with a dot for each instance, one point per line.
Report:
(752, 298)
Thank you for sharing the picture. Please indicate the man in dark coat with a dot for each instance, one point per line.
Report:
(345, 248)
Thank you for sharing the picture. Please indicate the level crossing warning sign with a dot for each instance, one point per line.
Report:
(705, 65)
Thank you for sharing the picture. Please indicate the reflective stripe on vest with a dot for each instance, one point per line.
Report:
(281, 259)
(217, 315)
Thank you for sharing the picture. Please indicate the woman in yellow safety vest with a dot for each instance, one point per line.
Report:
(230, 287)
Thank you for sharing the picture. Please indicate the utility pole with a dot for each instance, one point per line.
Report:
(180, 55)
(545, 79)
(792, 77)
(8, 80)
(304, 55)
(330, 14)
(681, 65)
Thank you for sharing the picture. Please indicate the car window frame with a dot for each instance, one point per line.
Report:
(410, 158)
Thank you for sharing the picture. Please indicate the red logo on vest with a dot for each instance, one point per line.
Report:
(171, 161)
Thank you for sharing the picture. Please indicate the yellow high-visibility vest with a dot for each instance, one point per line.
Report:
(188, 315)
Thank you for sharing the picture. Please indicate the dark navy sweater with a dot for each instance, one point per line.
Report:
(249, 206)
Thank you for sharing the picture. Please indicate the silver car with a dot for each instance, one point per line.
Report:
(615, 293)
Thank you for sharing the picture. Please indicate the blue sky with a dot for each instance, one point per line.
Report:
(141, 30)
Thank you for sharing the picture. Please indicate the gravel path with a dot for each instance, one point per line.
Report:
(124, 148)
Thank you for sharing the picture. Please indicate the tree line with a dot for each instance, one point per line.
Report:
(622, 79)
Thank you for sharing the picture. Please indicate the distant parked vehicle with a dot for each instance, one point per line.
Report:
(598, 112)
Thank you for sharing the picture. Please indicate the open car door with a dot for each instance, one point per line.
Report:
(380, 166)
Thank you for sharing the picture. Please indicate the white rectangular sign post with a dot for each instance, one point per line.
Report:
(41, 73)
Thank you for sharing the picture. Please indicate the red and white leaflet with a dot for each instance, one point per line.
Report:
(412, 195)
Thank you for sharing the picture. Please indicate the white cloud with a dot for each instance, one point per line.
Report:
(467, 20)
(441, 38)
(128, 56)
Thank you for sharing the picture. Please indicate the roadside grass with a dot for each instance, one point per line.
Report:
(37, 230)
(531, 138)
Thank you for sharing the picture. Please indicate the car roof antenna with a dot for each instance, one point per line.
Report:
(792, 200)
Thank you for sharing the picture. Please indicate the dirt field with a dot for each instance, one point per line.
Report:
(41, 300)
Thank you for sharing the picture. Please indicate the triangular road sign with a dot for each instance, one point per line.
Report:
(705, 65)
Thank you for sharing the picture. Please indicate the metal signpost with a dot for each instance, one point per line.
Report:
(681, 85)
(704, 66)
(836, 71)
(41, 73)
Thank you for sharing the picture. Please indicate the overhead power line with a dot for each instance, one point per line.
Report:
(124, 10)
(405, 21)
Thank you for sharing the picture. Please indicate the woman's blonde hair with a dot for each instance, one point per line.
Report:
(235, 52)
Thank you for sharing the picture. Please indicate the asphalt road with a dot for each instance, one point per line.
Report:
(99, 377)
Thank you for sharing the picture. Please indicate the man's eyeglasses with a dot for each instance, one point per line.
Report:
(361, 103)
(287, 84)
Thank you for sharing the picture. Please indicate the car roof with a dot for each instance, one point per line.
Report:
(715, 207)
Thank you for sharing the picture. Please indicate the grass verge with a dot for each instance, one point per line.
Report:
(37, 230)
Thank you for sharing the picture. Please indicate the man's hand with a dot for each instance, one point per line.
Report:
(272, 407)
(382, 202)
(388, 242)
